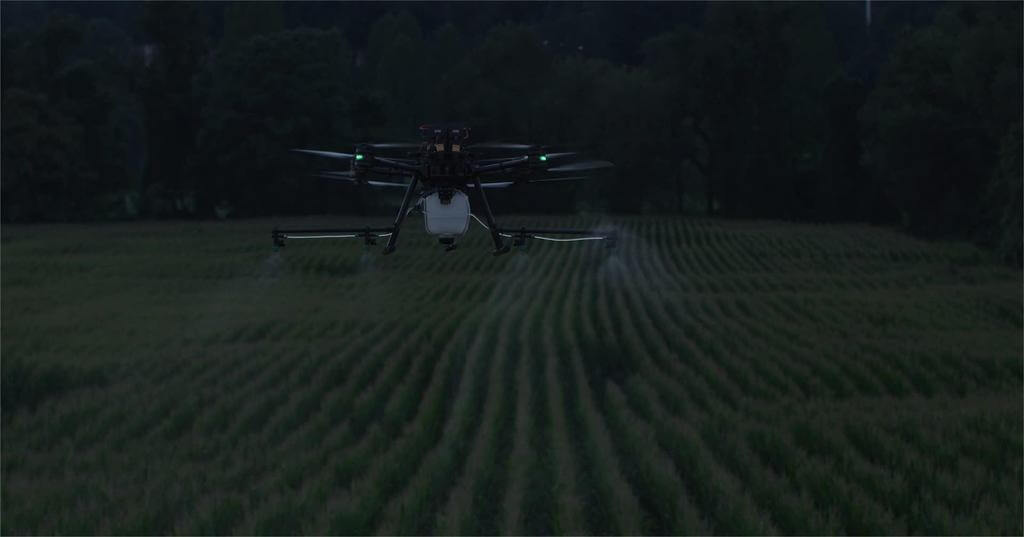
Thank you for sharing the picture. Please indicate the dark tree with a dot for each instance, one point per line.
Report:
(270, 94)
(71, 124)
(946, 100)
(176, 45)
(842, 191)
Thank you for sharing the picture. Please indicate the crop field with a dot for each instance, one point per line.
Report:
(704, 377)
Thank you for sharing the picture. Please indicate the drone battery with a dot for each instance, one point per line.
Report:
(446, 219)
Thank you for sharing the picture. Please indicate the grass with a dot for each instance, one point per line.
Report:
(706, 376)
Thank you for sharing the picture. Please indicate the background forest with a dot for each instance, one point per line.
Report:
(908, 116)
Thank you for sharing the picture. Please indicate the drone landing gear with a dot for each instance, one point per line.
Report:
(499, 246)
(393, 239)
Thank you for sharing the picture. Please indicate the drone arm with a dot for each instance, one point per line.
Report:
(394, 164)
(499, 246)
(502, 165)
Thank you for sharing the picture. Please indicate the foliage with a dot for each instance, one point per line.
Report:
(945, 101)
(709, 377)
(70, 121)
(26, 385)
(502, 71)
(41, 149)
(395, 67)
(271, 93)
(1004, 198)
(174, 51)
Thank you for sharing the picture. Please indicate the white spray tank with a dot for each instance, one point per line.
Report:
(449, 219)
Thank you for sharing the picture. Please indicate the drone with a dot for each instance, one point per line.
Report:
(442, 172)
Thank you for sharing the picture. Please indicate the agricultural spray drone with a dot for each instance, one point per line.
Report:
(442, 172)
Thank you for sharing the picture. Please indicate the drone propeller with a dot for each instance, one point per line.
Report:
(552, 179)
(506, 184)
(550, 156)
(328, 154)
(544, 157)
(500, 145)
(581, 166)
(395, 145)
(492, 160)
(387, 183)
(347, 177)
(495, 184)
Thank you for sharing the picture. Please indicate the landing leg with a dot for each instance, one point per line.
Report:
(390, 247)
(499, 246)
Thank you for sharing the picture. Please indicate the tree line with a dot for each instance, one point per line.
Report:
(793, 111)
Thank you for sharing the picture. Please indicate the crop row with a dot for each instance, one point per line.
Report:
(705, 377)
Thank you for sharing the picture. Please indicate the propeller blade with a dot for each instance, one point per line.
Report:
(581, 166)
(500, 145)
(551, 179)
(388, 183)
(339, 176)
(347, 177)
(560, 155)
(497, 184)
(395, 145)
(505, 184)
(493, 160)
(328, 154)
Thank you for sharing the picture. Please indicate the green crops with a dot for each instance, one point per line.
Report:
(704, 377)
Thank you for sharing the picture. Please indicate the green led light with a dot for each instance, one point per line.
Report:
(359, 157)
(543, 158)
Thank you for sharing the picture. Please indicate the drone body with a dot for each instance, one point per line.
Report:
(443, 172)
